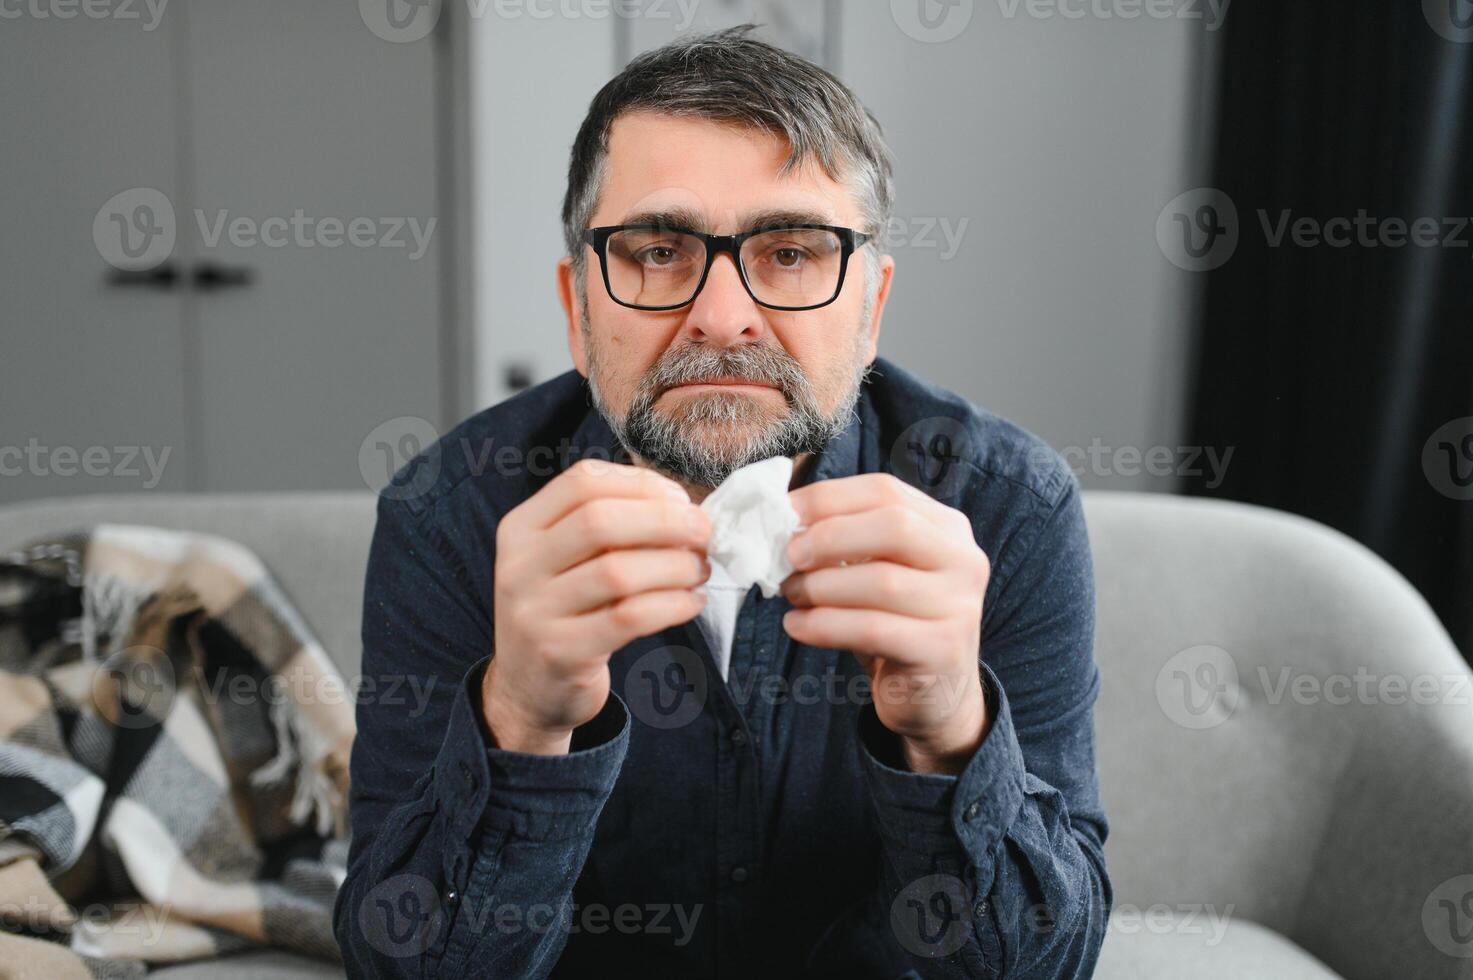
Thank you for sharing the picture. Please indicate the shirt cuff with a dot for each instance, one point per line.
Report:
(948, 818)
(535, 797)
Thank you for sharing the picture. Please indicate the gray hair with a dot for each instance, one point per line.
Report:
(728, 76)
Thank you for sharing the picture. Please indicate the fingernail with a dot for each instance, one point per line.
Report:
(799, 552)
(677, 492)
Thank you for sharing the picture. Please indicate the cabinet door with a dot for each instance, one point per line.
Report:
(91, 369)
(317, 218)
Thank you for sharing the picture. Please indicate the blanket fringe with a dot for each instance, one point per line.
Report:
(315, 797)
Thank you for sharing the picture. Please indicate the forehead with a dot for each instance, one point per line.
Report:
(721, 171)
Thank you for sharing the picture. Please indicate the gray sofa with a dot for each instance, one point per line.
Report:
(1278, 823)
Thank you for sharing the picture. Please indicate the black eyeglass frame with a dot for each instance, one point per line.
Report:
(850, 241)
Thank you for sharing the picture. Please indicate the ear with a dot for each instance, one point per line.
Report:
(882, 293)
(567, 294)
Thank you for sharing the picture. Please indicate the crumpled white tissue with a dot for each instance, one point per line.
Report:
(752, 522)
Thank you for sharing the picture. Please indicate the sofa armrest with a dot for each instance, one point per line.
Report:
(1392, 889)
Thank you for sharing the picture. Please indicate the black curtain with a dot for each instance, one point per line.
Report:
(1342, 374)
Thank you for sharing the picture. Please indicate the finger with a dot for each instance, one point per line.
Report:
(611, 523)
(617, 574)
(850, 494)
(864, 632)
(592, 478)
(893, 533)
(642, 615)
(879, 585)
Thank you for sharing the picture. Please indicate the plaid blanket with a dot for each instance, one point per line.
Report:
(173, 757)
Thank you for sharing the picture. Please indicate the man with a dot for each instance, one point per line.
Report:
(888, 769)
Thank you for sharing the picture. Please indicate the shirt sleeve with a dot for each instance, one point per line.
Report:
(999, 871)
(461, 853)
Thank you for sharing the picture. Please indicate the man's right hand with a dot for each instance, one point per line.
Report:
(602, 555)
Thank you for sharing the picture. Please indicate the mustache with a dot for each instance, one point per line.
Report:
(761, 363)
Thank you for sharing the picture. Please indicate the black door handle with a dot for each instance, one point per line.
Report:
(210, 276)
(161, 277)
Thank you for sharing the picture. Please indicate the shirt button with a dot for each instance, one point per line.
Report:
(739, 874)
(452, 896)
(738, 737)
(465, 773)
(972, 812)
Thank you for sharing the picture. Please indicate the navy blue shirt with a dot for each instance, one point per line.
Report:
(764, 825)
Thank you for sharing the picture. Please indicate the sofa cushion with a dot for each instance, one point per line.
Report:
(1169, 946)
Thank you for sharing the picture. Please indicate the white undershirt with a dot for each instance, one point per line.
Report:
(718, 618)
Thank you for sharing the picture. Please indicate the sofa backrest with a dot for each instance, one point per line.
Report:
(314, 544)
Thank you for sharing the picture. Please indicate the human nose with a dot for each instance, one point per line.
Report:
(724, 313)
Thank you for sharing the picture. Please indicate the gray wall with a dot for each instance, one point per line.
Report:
(1034, 154)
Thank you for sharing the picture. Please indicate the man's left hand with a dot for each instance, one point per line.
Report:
(896, 578)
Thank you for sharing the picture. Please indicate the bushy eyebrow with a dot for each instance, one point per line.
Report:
(679, 217)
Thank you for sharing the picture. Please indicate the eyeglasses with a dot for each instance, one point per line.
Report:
(659, 267)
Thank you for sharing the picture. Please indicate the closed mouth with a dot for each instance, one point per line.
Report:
(725, 383)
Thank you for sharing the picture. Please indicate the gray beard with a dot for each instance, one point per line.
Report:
(733, 423)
